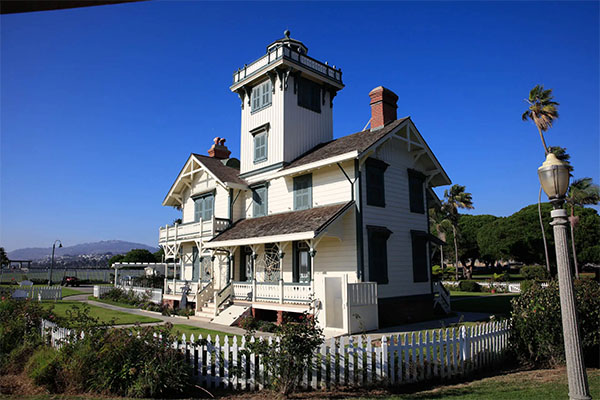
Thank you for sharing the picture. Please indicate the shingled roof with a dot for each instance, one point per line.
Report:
(220, 170)
(359, 141)
(311, 220)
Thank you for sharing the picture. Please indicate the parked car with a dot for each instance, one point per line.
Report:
(70, 281)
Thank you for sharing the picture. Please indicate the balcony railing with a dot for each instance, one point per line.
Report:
(282, 292)
(193, 230)
(289, 54)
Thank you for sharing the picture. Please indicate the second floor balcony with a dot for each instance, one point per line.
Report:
(203, 229)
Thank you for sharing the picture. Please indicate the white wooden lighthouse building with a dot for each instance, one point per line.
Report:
(303, 221)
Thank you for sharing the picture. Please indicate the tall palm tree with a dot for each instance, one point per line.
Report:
(438, 220)
(456, 198)
(581, 192)
(542, 110)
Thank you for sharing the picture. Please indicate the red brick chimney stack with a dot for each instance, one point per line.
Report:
(383, 107)
(219, 150)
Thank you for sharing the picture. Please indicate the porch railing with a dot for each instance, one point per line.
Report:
(193, 230)
(282, 292)
(176, 287)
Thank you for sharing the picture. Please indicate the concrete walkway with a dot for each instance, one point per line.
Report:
(192, 321)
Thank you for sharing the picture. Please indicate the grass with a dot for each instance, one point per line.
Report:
(527, 385)
(461, 293)
(189, 330)
(105, 315)
(111, 302)
(65, 290)
(491, 304)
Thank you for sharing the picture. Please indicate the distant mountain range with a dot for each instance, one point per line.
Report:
(102, 247)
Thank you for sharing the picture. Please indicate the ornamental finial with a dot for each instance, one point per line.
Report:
(286, 33)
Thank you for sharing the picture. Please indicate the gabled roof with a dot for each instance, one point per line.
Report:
(309, 223)
(224, 175)
(361, 144)
(359, 141)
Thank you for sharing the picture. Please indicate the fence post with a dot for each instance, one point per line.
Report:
(384, 360)
(465, 353)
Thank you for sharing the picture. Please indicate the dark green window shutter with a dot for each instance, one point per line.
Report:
(378, 261)
(260, 146)
(303, 192)
(376, 182)
(259, 200)
(415, 188)
(419, 256)
(309, 94)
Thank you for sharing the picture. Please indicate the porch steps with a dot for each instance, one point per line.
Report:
(230, 315)
(206, 311)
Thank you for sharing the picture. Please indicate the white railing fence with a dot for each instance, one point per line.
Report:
(154, 295)
(354, 361)
(37, 292)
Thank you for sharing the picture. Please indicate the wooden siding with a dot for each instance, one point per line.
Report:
(293, 130)
(303, 128)
(274, 116)
(203, 183)
(330, 186)
(395, 216)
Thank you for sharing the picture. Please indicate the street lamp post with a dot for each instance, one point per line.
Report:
(554, 177)
(52, 262)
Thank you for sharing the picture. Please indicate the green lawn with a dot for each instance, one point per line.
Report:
(497, 304)
(529, 385)
(112, 303)
(461, 293)
(513, 277)
(189, 329)
(105, 315)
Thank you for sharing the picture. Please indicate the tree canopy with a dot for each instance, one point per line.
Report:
(135, 255)
(518, 237)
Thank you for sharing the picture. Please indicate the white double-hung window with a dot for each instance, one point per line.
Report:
(261, 96)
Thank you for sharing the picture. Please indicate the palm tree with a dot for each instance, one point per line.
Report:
(438, 220)
(581, 192)
(542, 111)
(456, 198)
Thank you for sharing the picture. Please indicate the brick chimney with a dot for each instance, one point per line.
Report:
(383, 107)
(219, 150)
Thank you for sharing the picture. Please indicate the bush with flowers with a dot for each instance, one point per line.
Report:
(537, 337)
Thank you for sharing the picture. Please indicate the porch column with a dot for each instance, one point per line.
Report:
(116, 275)
(254, 256)
(280, 255)
(312, 253)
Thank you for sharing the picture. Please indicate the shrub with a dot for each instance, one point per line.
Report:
(534, 272)
(537, 336)
(502, 277)
(43, 366)
(526, 285)
(122, 296)
(287, 357)
(20, 323)
(469, 286)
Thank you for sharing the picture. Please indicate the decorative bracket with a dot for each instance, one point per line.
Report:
(273, 77)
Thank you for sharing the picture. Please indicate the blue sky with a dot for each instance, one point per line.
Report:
(100, 106)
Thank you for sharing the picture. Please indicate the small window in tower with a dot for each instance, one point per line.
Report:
(309, 94)
(260, 146)
(261, 96)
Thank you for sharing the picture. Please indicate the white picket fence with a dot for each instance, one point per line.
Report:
(392, 360)
(37, 292)
(512, 287)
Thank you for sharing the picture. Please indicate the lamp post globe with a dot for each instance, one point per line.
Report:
(554, 178)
